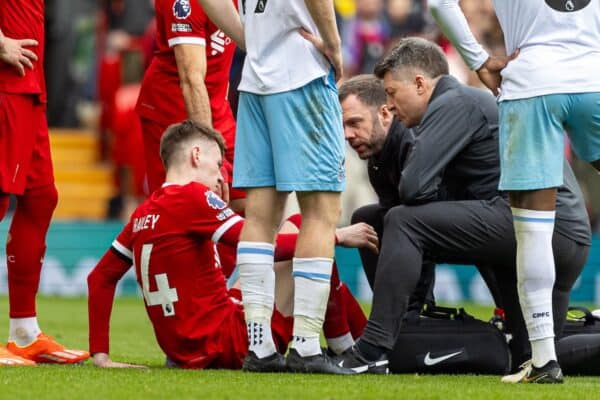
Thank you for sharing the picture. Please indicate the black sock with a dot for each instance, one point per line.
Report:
(370, 351)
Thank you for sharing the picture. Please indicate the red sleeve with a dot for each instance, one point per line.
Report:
(232, 236)
(211, 218)
(185, 21)
(102, 282)
(285, 246)
(122, 244)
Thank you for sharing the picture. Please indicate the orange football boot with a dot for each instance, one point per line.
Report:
(45, 349)
(8, 358)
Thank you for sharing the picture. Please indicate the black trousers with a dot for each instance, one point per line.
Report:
(462, 232)
(373, 214)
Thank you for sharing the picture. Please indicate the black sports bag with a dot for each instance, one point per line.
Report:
(580, 320)
(449, 341)
(578, 349)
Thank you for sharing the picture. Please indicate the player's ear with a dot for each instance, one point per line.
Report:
(196, 155)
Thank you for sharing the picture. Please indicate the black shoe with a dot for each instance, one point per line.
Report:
(317, 364)
(273, 363)
(351, 358)
(549, 373)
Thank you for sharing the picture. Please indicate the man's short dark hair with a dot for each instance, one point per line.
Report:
(367, 88)
(417, 53)
(178, 134)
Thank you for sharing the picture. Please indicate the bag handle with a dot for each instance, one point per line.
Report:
(589, 318)
(433, 311)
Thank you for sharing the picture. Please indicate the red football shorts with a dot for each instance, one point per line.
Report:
(152, 132)
(229, 345)
(25, 159)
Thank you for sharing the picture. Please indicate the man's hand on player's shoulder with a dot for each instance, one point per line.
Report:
(103, 360)
(359, 235)
(14, 52)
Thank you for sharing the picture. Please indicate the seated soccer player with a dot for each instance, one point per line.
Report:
(171, 240)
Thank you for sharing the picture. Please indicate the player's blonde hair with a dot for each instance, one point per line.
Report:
(178, 134)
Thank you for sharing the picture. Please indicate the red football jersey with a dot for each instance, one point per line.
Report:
(24, 19)
(171, 239)
(185, 22)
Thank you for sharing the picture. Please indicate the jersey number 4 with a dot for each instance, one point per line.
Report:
(165, 296)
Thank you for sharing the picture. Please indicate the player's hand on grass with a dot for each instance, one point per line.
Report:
(359, 235)
(332, 51)
(489, 73)
(102, 360)
(15, 53)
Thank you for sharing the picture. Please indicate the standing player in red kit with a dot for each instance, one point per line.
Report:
(187, 79)
(171, 241)
(26, 172)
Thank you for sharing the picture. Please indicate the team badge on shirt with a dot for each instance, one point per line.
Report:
(215, 201)
(567, 5)
(182, 9)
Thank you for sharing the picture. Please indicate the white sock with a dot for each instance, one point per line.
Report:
(311, 292)
(257, 281)
(339, 344)
(542, 351)
(535, 279)
(23, 331)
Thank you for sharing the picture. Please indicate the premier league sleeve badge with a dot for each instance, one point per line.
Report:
(182, 9)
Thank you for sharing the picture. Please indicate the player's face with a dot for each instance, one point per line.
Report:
(208, 165)
(405, 98)
(362, 128)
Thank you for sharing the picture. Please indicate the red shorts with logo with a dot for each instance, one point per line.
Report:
(229, 345)
(152, 132)
(25, 159)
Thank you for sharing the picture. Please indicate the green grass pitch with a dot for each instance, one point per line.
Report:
(133, 341)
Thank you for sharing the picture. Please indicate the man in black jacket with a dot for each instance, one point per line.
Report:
(372, 131)
(451, 208)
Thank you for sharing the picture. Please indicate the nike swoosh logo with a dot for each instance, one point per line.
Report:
(433, 361)
(359, 369)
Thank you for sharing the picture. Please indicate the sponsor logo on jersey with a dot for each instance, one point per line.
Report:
(186, 28)
(567, 5)
(182, 9)
(260, 6)
(218, 41)
(226, 213)
(215, 201)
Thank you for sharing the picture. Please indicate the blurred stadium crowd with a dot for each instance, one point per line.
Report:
(108, 43)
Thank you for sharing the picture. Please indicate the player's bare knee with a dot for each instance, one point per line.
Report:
(322, 206)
